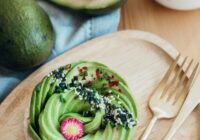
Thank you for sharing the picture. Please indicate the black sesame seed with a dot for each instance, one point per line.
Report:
(58, 75)
(130, 115)
(58, 89)
(61, 69)
(78, 89)
(97, 101)
(123, 118)
(63, 86)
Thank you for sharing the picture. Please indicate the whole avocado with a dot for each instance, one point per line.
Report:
(26, 34)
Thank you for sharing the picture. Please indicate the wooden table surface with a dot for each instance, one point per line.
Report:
(180, 28)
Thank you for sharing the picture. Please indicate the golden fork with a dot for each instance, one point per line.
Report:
(191, 102)
(171, 92)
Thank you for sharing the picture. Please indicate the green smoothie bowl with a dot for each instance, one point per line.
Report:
(82, 101)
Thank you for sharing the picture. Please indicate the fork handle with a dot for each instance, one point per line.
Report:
(190, 104)
(179, 121)
(149, 128)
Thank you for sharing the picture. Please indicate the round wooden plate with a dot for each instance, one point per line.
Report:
(141, 58)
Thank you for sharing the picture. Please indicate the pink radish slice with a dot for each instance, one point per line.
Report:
(72, 129)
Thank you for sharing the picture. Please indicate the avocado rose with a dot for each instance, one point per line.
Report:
(83, 100)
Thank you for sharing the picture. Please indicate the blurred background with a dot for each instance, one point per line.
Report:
(180, 28)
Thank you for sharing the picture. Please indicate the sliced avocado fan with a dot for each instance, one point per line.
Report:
(88, 92)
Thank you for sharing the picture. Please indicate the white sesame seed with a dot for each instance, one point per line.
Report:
(80, 97)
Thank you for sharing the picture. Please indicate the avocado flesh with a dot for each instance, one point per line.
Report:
(107, 134)
(87, 137)
(26, 34)
(37, 103)
(93, 7)
(53, 112)
(32, 110)
(97, 135)
(95, 123)
(91, 70)
(33, 134)
(49, 119)
(123, 85)
(77, 116)
(87, 4)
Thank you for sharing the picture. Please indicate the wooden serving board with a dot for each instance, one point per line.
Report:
(141, 58)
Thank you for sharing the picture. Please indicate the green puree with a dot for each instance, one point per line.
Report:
(88, 91)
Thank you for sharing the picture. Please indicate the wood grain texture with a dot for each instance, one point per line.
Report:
(180, 28)
(141, 58)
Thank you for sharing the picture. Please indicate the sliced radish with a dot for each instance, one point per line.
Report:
(72, 129)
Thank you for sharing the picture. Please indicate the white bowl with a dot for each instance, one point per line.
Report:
(180, 4)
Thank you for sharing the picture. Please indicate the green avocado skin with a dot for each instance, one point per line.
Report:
(26, 34)
(91, 12)
(106, 10)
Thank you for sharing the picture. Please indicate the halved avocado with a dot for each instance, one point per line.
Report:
(92, 7)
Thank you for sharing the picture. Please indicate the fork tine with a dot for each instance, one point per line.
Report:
(180, 81)
(165, 79)
(172, 66)
(173, 80)
(174, 77)
(186, 89)
(180, 69)
(192, 76)
(186, 71)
